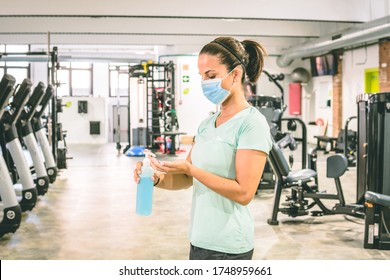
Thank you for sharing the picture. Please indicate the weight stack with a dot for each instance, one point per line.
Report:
(378, 175)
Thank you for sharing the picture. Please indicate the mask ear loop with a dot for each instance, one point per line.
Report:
(234, 79)
(230, 90)
(228, 74)
(234, 82)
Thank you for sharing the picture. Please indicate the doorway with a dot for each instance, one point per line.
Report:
(123, 124)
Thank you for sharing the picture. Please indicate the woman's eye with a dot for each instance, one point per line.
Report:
(211, 77)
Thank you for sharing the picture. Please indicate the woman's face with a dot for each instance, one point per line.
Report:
(210, 68)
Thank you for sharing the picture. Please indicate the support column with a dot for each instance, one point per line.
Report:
(337, 99)
(384, 66)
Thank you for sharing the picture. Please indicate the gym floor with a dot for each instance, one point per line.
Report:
(89, 214)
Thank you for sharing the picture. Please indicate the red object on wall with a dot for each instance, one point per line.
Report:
(294, 98)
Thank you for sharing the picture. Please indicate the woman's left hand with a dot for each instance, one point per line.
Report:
(178, 167)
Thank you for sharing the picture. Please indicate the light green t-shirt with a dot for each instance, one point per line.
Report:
(218, 223)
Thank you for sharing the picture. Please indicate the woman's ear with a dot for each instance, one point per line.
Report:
(237, 74)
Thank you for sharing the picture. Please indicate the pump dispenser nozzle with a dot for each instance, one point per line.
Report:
(149, 154)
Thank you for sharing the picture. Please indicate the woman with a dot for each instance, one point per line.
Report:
(226, 162)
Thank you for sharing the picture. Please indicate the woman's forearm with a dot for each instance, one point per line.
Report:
(174, 181)
(228, 188)
(249, 169)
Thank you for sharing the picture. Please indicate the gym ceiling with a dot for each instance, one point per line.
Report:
(144, 28)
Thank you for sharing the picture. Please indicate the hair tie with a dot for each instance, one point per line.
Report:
(232, 52)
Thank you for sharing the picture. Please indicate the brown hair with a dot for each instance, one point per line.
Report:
(232, 53)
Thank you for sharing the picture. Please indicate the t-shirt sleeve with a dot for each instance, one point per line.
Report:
(255, 134)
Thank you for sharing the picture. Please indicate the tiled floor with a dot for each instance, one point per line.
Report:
(89, 213)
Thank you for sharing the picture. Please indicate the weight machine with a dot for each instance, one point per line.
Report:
(162, 120)
(156, 119)
(373, 167)
(273, 108)
(136, 114)
(305, 193)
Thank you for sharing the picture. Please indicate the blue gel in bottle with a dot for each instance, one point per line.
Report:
(145, 189)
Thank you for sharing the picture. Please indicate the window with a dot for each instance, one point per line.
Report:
(75, 79)
(119, 80)
(18, 69)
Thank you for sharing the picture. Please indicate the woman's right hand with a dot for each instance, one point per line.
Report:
(138, 171)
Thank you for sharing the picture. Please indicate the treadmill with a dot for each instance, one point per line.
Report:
(17, 163)
(40, 134)
(25, 130)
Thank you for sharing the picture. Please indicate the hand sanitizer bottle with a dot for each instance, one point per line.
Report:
(145, 189)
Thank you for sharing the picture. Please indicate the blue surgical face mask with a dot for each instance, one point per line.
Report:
(213, 90)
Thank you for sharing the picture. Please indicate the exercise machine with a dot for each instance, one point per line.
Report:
(292, 125)
(26, 131)
(56, 134)
(12, 211)
(305, 193)
(345, 142)
(17, 162)
(377, 221)
(374, 157)
(117, 125)
(136, 113)
(273, 108)
(40, 134)
(153, 107)
(62, 148)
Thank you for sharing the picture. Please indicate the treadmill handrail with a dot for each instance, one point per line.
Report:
(33, 102)
(44, 101)
(6, 90)
(20, 99)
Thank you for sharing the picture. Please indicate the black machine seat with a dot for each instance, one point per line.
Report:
(300, 176)
(377, 198)
(282, 170)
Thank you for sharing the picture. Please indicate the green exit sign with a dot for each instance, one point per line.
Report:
(186, 79)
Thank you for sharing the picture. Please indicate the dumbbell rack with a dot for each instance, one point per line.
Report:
(160, 105)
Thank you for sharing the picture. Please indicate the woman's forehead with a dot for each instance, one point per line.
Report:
(209, 62)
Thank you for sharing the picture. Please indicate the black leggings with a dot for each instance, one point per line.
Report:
(197, 253)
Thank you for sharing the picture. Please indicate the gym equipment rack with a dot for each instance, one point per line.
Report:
(160, 105)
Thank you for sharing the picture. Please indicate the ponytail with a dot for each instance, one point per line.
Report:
(255, 62)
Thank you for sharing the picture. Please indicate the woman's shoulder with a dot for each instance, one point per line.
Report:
(254, 115)
(209, 119)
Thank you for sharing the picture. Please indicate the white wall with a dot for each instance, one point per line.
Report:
(354, 64)
(322, 92)
(77, 125)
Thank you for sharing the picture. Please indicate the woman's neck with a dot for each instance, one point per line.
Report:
(233, 105)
